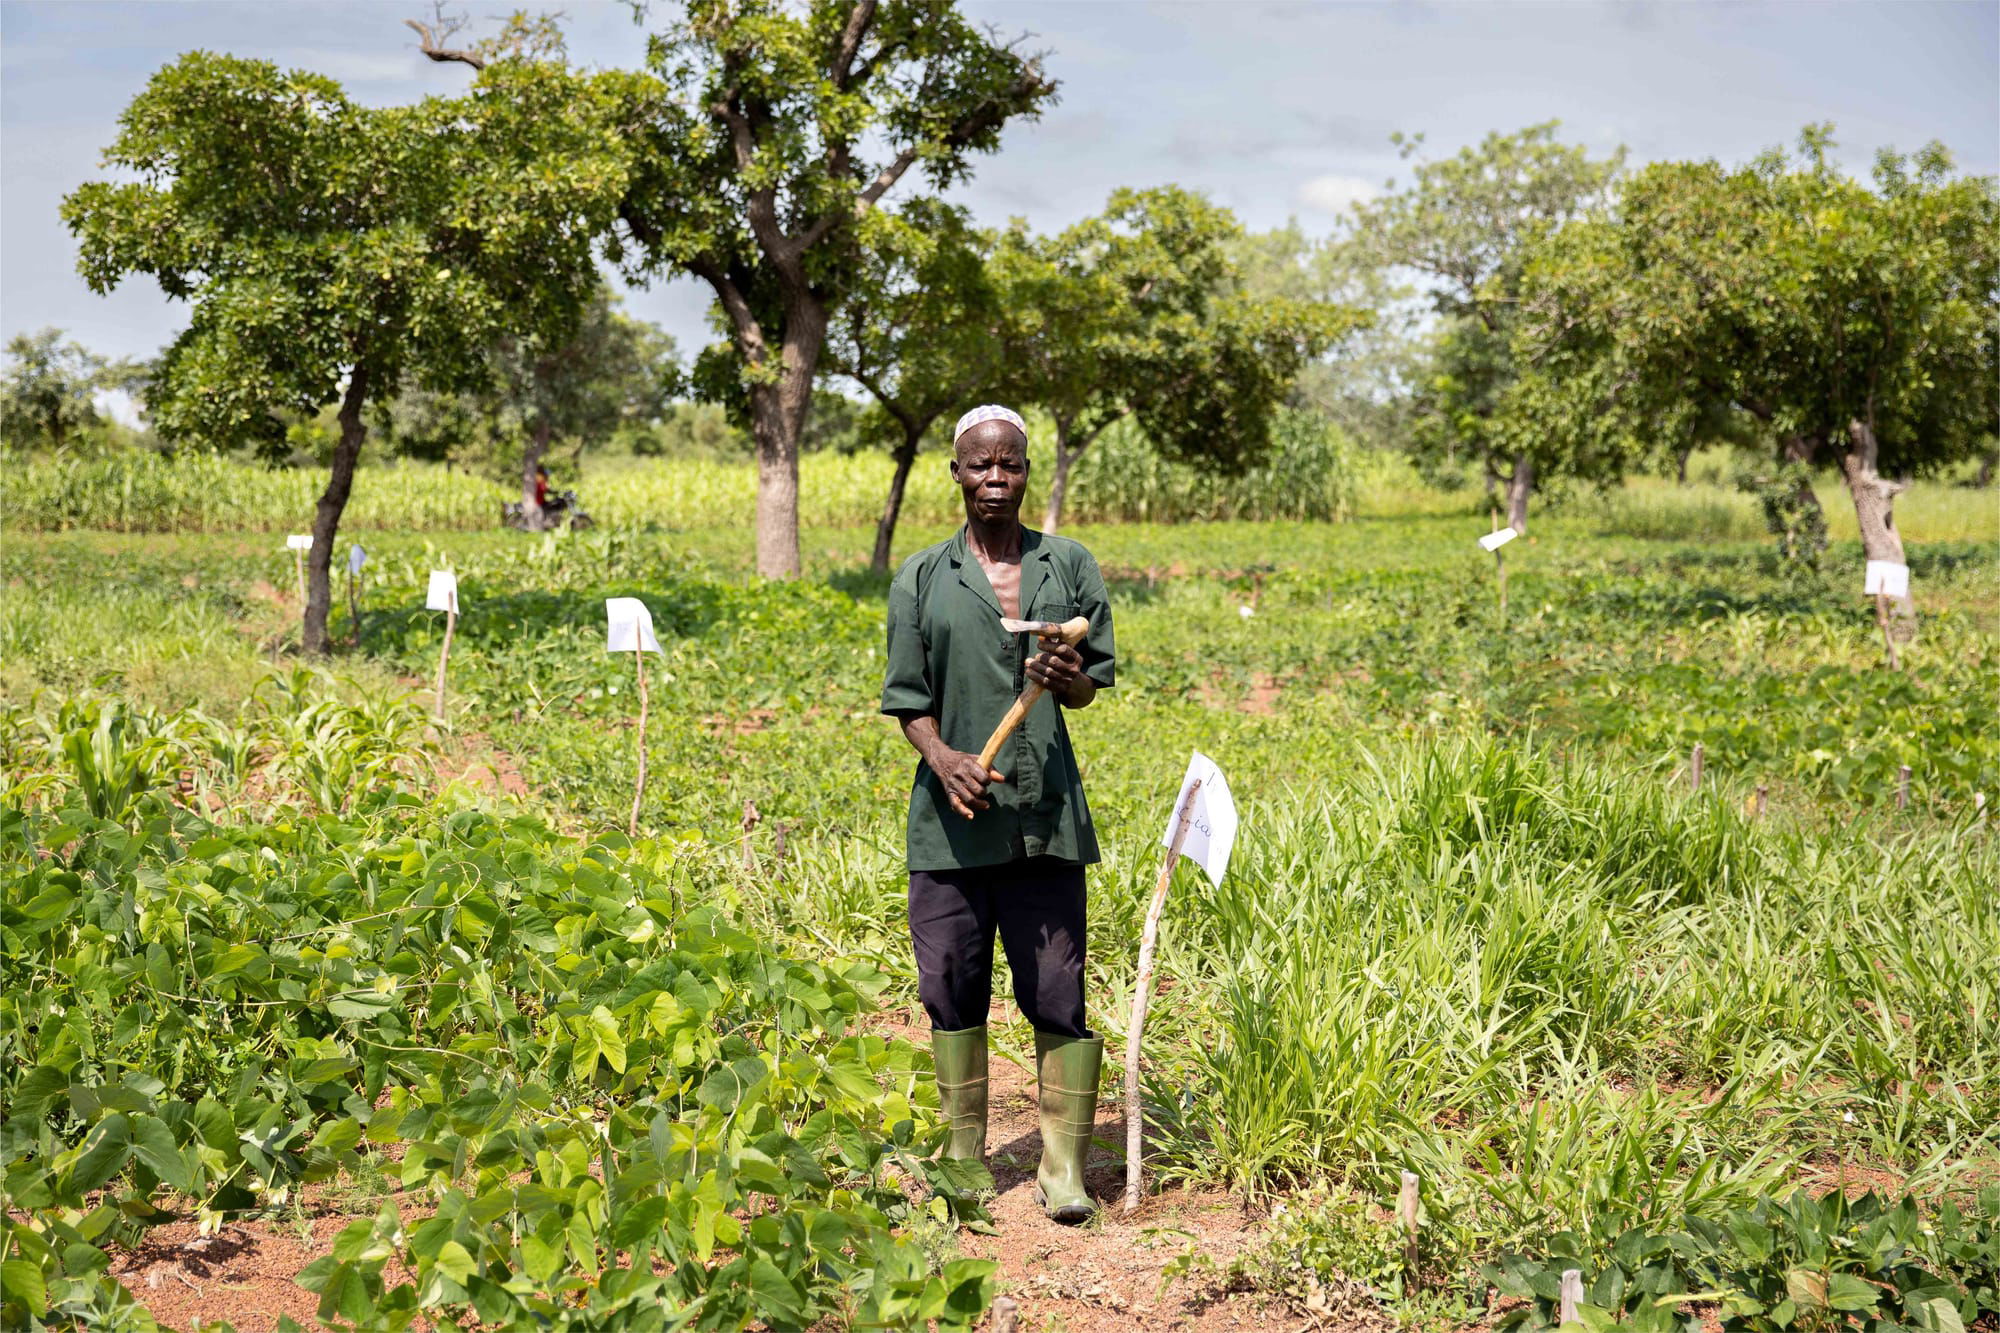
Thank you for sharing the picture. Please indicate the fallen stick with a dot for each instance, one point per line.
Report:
(1141, 993)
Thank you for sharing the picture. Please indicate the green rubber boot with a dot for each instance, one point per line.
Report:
(960, 1058)
(1066, 1069)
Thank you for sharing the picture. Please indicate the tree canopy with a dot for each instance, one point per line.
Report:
(922, 332)
(1466, 226)
(781, 131)
(1141, 312)
(49, 388)
(329, 250)
(1854, 324)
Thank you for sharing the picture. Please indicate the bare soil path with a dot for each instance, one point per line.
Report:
(1103, 1277)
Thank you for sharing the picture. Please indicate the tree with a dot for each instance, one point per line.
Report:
(610, 373)
(1466, 226)
(921, 332)
(1854, 326)
(331, 250)
(1368, 391)
(1140, 312)
(783, 131)
(48, 393)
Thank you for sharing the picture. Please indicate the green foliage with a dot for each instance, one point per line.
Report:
(330, 250)
(1842, 322)
(1794, 1263)
(1467, 226)
(612, 376)
(1311, 472)
(1477, 927)
(1141, 313)
(48, 390)
(760, 169)
(586, 1073)
(428, 230)
(205, 492)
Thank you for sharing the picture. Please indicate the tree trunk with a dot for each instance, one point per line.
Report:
(1681, 465)
(1874, 509)
(1066, 456)
(531, 458)
(892, 508)
(1059, 488)
(1520, 484)
(326, 518)
(777, 420)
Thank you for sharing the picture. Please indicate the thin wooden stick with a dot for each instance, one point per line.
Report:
(1572, 1294)
(1406, 1214)
(1757, 802)
(1500, 563)
(1694, 767)
(1903, 787)
(354, 608)
(1141, 993)
(299, 563)
(1888, 640)
(450, 624)
(639, 790)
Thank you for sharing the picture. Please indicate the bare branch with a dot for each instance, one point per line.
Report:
(442, 28)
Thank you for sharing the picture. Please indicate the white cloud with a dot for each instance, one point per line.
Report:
(1335, 194)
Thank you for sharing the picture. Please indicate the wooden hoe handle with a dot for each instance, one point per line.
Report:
(1070, 632)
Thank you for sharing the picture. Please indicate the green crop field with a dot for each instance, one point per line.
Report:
(278, 944)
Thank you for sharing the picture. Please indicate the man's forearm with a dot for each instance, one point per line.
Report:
(921, 731)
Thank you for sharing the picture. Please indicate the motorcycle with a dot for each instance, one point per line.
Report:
(561, 507)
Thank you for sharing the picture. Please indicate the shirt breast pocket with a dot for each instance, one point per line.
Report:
(1057, 611)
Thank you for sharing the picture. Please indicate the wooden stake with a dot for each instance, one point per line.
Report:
(1572, 1294)
(1903, 787)
(750, 818)
(1888, 640)
(639, 789)
(1500, 563)
(1694, 767)
(354, 608)
(1757, 802)
(1006, 1314)
(450, 624)
(299, 563)
(1141, 993)
(1406, 1213)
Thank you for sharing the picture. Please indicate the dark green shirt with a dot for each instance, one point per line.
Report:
(948, 657)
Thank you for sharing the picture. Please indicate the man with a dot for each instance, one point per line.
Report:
(1004, 848)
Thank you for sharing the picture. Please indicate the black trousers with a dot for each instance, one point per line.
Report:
(1037, 906)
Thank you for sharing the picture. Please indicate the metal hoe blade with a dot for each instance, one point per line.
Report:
(1029, 626)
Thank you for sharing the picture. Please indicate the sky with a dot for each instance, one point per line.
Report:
(1277, 110)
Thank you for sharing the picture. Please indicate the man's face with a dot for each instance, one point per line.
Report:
(990, 464)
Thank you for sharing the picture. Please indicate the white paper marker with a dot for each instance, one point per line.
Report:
(629, 626)
(1886, 578)
(299, 541)
(443, 594)
(1493, 541)
(1212, 831)
(356, 558)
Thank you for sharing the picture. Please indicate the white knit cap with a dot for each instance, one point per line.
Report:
(990, 412)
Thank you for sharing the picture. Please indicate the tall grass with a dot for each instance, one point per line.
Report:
(1313, 475)
(140, 491)
(1525, 981)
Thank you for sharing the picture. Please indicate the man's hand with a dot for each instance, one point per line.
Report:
(1057, 668)
(964, 781)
